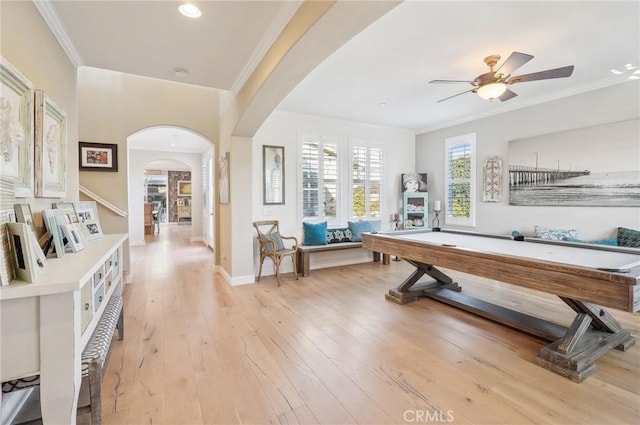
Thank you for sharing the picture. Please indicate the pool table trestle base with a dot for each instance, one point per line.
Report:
(573, 350)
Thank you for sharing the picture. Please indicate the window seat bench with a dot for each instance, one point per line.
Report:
(304, 252)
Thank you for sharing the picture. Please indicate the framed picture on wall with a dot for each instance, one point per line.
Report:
(50, 148)
(184, 188)
(224, 162)
(98, 156)
(414, 182)
(16, 126)
(273, 175)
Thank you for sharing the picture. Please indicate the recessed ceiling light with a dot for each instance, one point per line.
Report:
(615, 71)
(190, 10)
(172, 144)
(383, 104)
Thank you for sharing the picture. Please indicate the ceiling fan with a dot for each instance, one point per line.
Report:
(493, 84)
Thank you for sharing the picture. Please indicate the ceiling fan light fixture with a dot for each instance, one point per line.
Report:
(190, 10)
(492, 90)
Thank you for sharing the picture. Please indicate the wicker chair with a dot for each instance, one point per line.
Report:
(272, 246)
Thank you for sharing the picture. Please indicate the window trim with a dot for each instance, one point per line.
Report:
(368, 145)
(321, 140)
(464, 139)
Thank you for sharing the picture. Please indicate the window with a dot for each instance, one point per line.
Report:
(337, 187)
(367, 172)
(460, 160)
(320, 178)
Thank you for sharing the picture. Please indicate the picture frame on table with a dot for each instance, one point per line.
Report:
(98, 157)
(273, 175)
(7, 269)
(74, 238)
(25, 263)
(24, 215)
(50, 148)
(16, 120)
(53, 219)
(68, 211)
(87, 213)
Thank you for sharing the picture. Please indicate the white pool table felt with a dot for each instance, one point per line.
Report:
(584, 257)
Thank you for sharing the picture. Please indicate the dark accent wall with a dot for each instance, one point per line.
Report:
(172, 189)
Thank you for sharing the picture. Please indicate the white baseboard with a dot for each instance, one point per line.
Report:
(136, 243)
(197, 239)
(237, 280)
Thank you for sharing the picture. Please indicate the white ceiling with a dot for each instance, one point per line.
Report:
(390, 62)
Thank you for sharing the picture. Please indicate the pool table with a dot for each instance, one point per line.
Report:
(587, 278)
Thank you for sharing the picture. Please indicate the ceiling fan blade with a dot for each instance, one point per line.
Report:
(513, 62)
(563, 72)
(447, 98)
(508, 94)
(449, 81)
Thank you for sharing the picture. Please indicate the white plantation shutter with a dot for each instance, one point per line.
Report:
(320, 178)
(367, 165)
(460, 159)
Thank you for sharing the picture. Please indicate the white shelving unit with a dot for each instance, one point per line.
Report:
(415, 207)
(44, 326)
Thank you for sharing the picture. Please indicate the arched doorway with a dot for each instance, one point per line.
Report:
(170, 148)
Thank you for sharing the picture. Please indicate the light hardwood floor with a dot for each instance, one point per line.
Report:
(330, 349)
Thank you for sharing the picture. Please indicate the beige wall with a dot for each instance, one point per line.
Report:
(114, 105)
(27, 42)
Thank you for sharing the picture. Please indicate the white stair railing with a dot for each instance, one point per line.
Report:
(101, 200)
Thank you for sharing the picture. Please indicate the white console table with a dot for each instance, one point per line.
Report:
(44, 326)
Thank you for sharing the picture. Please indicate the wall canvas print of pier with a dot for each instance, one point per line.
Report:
(595, 166)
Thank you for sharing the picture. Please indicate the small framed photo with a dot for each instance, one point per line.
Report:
(51, 221)
(98, 156)
(25, 262)
(184, 188)
(74, 239)
(273, 175)
(67, 211)
(23, 215)
(87, 213)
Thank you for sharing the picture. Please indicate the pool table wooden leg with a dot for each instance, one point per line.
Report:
(410, 290)
(591, 335)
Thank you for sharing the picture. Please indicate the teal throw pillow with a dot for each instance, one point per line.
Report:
(555, 234)
(611, 242)
(357, 227)
(275, 237)
(375, 224)
(342, 234)
(628, 237)
(567, 239)
(315, 233)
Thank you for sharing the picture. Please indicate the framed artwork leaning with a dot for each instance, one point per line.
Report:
(16, 129)
(50, 148)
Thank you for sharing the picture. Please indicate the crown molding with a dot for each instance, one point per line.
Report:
(284, 15)
(55, 25)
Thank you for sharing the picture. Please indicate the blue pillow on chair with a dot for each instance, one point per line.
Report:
(315, 233)
(357, 227)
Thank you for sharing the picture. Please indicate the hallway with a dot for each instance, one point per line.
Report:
(329, 349)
